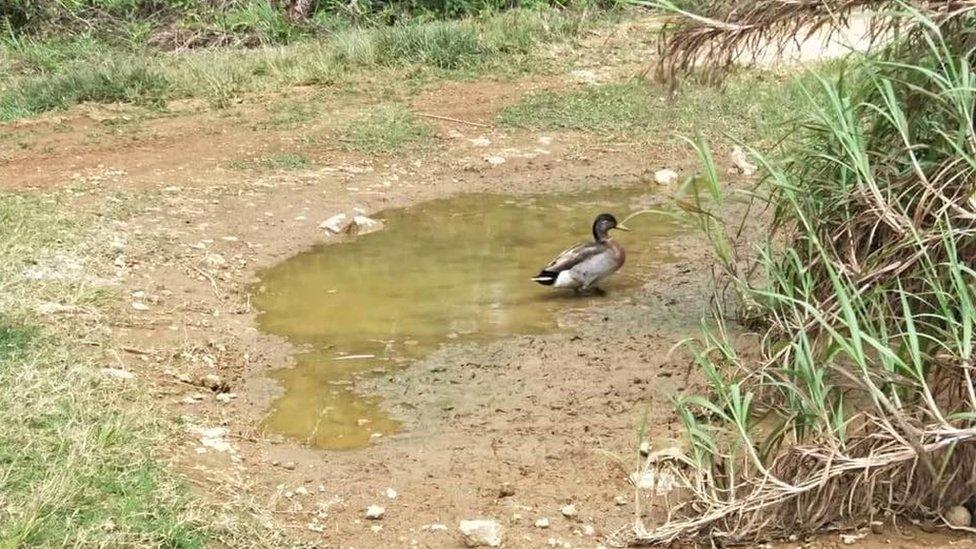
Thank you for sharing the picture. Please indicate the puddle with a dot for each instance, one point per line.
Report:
(448, 271)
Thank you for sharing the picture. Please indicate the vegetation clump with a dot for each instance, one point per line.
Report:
(858, 404)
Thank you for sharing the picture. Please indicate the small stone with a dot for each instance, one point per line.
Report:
(375, 512)
(336, 224)
(542, 523)
(506, 490)
(391, 493)
(959, 516)
(216, 261)
(568, 511)
(376, 528)
(212, 382)
(495, 160)
(620, 500)
(589, 530)
(301, 491)
(741, 162)
(224, 398)
(645, 448)
(481, 533)
(366, 225)
(118, 374)
(140, 306)
(851, 539)
(480, 141)
(290, 465)
(665, 177)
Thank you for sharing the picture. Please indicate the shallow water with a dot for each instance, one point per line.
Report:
(448, 271)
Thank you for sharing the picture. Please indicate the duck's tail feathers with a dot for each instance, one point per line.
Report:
(546, 278)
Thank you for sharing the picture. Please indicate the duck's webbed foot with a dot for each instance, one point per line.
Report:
(592, 290)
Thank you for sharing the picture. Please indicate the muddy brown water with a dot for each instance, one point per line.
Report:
(454, 270)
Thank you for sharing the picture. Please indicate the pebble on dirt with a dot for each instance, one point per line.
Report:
(959, 516)
(481, 533)
(366, 225)
(375, 512)
(117, 373)
(665, 177)
(542, 523)
(741, 162)
(391, 493)
(568, 511)
(336, 224)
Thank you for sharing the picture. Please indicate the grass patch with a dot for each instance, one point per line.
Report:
(750, 106)
(50, 75)
(77, 448)
(116, 81)
(387, 130)
(277, 162)
(608, 108)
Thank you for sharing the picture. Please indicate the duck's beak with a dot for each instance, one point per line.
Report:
(622, 228)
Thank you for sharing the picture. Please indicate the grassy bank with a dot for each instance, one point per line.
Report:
(58, 73)
(78, 445)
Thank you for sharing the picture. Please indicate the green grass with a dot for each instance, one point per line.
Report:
(55, 74)
(277, 162)
(750, 107)
(78, 464)
(385, 130)
(854, 392)
(116, 81)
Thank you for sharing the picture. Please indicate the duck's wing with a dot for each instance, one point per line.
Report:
(570, 257)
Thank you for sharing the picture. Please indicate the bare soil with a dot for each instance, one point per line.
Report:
(512, 430)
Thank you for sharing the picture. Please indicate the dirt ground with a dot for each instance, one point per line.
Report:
(512, 431)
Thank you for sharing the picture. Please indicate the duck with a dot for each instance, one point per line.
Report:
(582, 266)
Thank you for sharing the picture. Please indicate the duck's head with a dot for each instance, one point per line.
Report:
(602, 225)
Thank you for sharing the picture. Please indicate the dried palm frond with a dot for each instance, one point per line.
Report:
(725, 33)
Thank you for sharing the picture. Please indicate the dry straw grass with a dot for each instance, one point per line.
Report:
(858, 404)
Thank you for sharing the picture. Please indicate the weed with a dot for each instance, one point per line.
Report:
(277, 162)
(116, 81)
(386, 130)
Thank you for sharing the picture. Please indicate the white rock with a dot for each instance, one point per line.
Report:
(214, 438)
(366, 225)
(118, 374)
(216, 261)
(568, 510)
(495, 160)
(391, 493)
(336, 224)
(139, 306)
(480, 141)
(741, 161)
(481, 533)
(434, 527)
(851, 539)
(645, 448)
(959, 516)
(661, 483)
(589, 530)
(665, 177)
(301, 491)
(542, 523)
(375, 512)
(620, 500)
(545, 140)
(224, 398)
